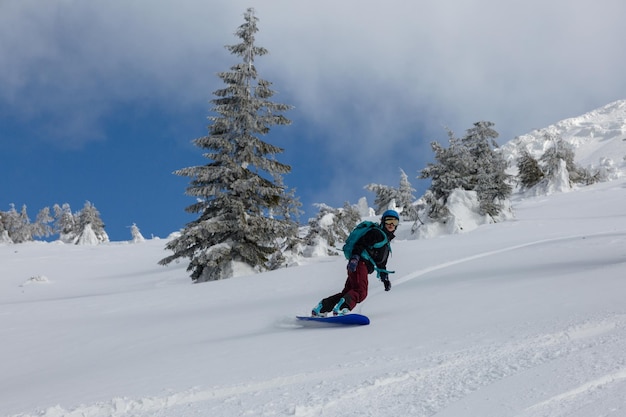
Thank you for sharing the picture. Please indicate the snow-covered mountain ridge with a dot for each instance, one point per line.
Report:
(597, 137)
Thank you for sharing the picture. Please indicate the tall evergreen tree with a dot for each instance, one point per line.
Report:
(238, 197)
(487, 167)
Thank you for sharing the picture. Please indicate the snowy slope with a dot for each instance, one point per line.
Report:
(520, 318)
(523, 318)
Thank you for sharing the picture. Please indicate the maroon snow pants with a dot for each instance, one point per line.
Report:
(354, 291)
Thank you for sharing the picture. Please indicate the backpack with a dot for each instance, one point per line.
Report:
(356, 234)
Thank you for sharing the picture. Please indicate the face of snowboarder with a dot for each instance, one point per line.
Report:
(391, 223)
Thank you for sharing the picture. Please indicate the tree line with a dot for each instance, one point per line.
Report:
(83, 226)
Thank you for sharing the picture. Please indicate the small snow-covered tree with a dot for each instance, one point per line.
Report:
(435, 207)
(561, 150)
(406, 199)
(136, 234)
(4, 237)
(89, 226)
(387, 196)
(238, 197)
(64, 223)
(41, 227)
(17, 225)
(529, 170)
(330, 227)
(25, 233)
(551, 158)
(87, 236)
(4, 234)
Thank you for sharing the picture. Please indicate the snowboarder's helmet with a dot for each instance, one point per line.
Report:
(390, 213)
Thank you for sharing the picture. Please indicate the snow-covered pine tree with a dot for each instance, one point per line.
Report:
(348, 218)
(330, 228)
(25, 233)
(136, 234)
(401, 198)
(529, 171)
(385, 194)
(87, 236)
(17, 225)
(41, 227)
(4, 235)
(89, 226)
(451, 170)
(470, 163)
(551, 158)
(288, 209)
(405, 198)
(434, 208)
(561, 150)
(64, 223)
(488, 167)
(7, 221)
(237, 193)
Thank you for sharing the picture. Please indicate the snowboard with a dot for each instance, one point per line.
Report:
(345, 320)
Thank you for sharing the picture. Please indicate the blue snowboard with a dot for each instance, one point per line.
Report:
(347, 320)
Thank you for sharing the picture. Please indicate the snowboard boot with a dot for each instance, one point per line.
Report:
(317, 311)
(341, 309)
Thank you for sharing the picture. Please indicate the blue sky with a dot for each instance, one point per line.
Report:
(100, 100)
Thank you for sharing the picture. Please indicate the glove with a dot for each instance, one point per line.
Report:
(352, 264)
(384, 277)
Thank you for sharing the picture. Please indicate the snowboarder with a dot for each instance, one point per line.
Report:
(367, 256)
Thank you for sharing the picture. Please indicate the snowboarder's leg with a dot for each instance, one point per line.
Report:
(354, 292)
(356, 287)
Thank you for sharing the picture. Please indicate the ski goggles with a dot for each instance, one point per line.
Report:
(392, 221)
